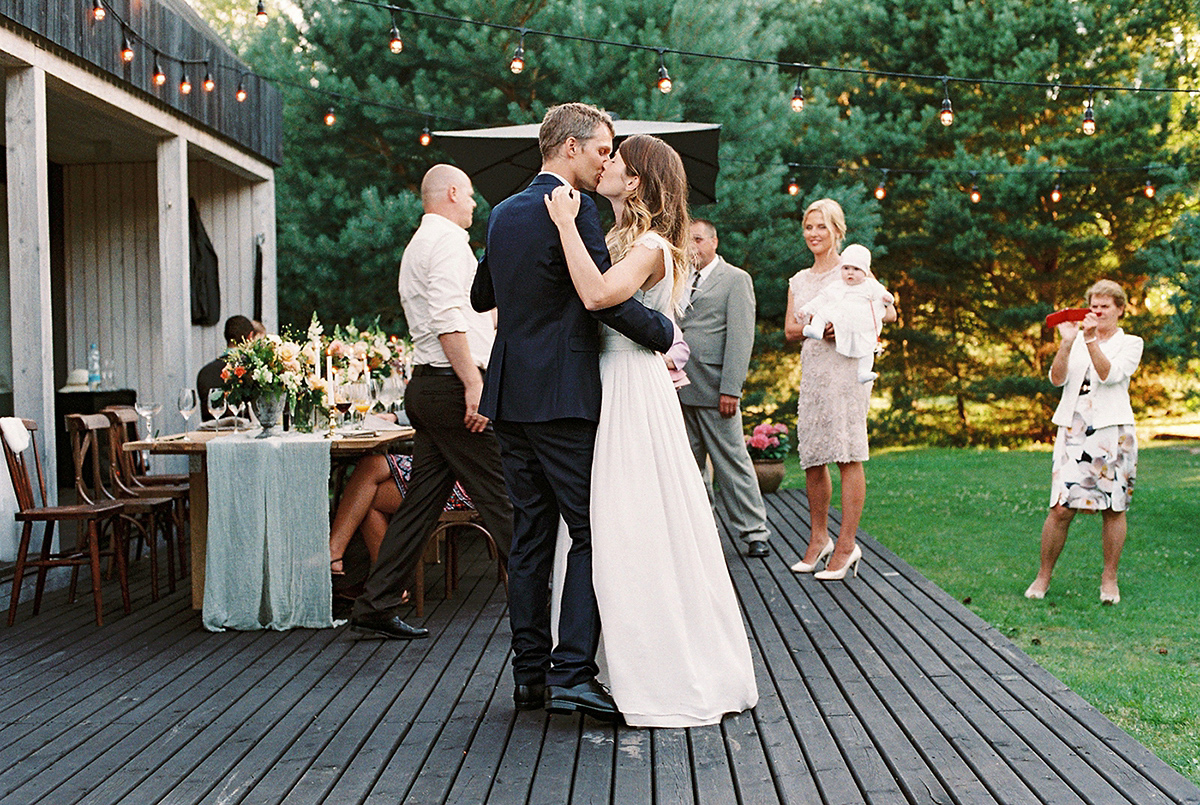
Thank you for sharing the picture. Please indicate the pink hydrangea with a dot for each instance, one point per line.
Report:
(759, 441)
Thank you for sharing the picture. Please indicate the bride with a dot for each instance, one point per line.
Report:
(673, 639)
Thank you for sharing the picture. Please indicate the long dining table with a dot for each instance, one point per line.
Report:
(195, 446)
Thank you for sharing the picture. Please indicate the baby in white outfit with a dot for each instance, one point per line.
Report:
(855, 306)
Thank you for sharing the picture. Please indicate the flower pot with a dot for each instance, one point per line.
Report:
(770, 474)
(268, 407)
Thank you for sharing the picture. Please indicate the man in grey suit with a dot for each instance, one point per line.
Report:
(718, 326)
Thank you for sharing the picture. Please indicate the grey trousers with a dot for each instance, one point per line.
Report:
(720, 439)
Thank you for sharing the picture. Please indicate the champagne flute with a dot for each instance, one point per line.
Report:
(187, 406)
(216, 406)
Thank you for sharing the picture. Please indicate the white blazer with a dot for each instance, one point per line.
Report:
(1110, 397)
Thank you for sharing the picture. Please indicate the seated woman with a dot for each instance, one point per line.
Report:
(372, 495)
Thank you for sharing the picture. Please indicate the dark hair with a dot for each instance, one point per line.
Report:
(238, 329)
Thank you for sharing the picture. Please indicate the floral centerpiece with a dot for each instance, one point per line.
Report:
(768, 441)
(368, 353)
(267, 366)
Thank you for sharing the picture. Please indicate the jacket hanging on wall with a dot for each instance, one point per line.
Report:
(206, 281)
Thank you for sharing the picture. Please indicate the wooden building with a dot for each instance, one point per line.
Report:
(102, 155)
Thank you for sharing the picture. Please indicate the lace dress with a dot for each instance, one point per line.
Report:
(673, 643)
(831, 420)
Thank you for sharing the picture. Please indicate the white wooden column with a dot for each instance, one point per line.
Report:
(29, 256)
(171, 321)
(264, 227)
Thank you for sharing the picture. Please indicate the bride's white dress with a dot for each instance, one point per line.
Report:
(674, 645)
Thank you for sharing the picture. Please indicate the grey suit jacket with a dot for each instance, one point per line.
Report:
(718, 326)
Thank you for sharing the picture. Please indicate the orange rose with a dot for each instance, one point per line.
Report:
(239, 371)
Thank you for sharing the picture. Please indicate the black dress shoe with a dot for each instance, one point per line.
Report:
(529, 697)
(758, 548)
(381, 624)
(587, 697)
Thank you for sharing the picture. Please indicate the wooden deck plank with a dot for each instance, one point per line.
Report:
(879, 689)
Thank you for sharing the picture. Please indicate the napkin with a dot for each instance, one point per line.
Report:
(372, 422)
(14, 433)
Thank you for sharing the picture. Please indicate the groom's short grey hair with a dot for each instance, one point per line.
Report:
(578, 120)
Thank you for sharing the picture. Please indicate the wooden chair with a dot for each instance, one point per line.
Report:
(127, 483)
(148, 515)
(451, 523)
(128, 416)
(87, 551)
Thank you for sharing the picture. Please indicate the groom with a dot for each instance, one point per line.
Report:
(542, 392)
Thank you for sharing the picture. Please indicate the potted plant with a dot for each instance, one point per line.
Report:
(768, 445)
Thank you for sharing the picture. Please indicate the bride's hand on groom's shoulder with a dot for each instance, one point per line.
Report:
(563, 205)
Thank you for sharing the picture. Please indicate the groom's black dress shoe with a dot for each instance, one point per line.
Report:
(758, 548)
(529, 697)
(587, 697)
(382, 624)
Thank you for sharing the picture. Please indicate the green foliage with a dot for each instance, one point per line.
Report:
(970, 521)
(973, 280)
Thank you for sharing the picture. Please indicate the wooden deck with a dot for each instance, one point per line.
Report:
(881, 690)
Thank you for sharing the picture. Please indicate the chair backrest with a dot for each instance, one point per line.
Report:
(122, 463)
(88, 431)
(18, 470)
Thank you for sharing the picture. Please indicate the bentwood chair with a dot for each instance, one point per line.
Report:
(128, 484)
(92, 519)
(128, 417)
(147, 515)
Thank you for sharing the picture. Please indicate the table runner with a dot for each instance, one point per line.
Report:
(268, 533)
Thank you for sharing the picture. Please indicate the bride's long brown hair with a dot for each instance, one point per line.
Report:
(658, 204)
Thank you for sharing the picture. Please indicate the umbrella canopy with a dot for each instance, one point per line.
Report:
(503, 160)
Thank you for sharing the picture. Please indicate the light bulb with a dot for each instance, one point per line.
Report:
(664, 80)
(975, 194)
(126, 50)
(208, 85)
(395, 43)
(880, 191)
(160, 77)
(98, 12)
(241, 93)
(426, 138)
(1148, 190)
(793, 187)
(1089, 122)
(260, 16)
(798, 98)
(1056, 194)
(185, 86)
(330, 117)
(517, 65)
(947, 113)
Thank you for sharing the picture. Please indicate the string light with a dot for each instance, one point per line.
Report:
(947, 113)
(798, 95)
(126, 50)
(517, 65)
(160, 77)
(664, 78)
(260, 16)
(793, 187)
(1089, 118)
(208, 85)
(395, 43)
(185, 86)
(975, 195)
(426, 138)
(881, 188)
(241, 93)
(1148, 190)
(98, 12)
(330, 117)
(1056, 193)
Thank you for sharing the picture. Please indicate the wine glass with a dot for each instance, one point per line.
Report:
(235, 409)
(147, 410)
(360, 400)
(216, 405)
(186, 401)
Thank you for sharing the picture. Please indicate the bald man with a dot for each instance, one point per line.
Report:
(451, 345)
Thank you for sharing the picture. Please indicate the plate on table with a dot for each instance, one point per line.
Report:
(227, 423)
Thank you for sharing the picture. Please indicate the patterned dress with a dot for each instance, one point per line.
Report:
(831, 420)
(1094, 468)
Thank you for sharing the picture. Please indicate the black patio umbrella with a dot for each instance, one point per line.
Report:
(503, 160)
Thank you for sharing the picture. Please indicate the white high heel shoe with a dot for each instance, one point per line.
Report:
(838, 575)
(805, 567)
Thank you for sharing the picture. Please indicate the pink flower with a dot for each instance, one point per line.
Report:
(781, 428)
(759, 441)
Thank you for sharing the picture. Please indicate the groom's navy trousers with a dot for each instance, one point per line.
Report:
(542, 392)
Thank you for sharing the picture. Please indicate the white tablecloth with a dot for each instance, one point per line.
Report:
(268, 533)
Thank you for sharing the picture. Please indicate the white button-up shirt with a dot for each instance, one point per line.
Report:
(435, 290)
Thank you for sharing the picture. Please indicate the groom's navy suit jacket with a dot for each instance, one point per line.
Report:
(545, 359)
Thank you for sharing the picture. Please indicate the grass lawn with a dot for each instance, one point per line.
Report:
(970, 520)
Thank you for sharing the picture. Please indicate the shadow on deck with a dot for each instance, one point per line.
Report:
(882, 689)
